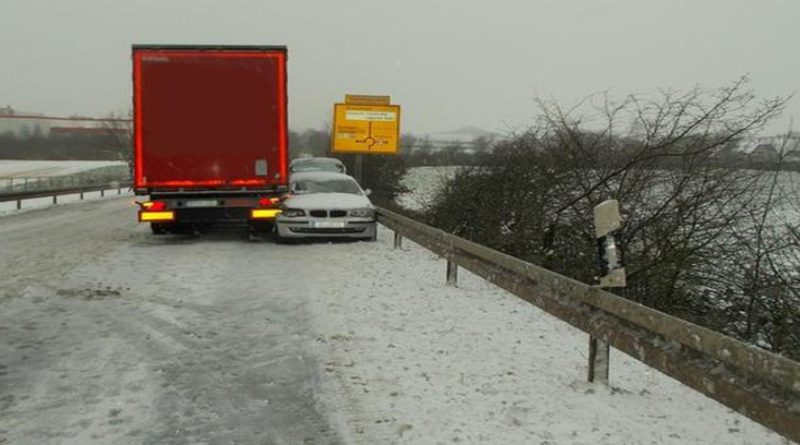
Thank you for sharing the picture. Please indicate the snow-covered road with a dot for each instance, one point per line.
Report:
(111, 335)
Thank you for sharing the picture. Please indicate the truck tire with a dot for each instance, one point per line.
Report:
(158, 229)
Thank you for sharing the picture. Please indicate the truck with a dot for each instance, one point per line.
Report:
(209, 136)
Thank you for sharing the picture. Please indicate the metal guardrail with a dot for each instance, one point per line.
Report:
(20, 196)
(758, 384)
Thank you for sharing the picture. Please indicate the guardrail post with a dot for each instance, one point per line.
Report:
(398, 240)
(119, 190)
(55, 199)
(598, 360)
(452, 273)
(19, 204)
(81, 195)
(102, 192)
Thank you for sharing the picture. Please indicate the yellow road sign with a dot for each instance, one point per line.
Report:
(361, 99)
(366, 129)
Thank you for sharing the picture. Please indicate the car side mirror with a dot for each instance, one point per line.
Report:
(367, 192)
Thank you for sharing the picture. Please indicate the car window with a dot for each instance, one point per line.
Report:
(326, 186)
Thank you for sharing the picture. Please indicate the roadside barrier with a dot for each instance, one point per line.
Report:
(756, 383)
(21, 196)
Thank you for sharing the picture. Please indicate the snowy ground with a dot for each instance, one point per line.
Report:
(111, 335)
(14, 168)
(423, 183)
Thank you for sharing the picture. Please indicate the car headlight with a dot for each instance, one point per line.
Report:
(293, 213)
(363, 213)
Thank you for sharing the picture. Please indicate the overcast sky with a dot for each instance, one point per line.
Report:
(448, 63)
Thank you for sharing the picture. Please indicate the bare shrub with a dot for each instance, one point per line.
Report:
(701, 239)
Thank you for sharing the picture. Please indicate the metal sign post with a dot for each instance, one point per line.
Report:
(359, 167)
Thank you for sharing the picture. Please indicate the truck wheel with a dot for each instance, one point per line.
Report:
(282, 240)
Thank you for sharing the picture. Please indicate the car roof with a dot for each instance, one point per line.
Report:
(315, 159)
(319, 175)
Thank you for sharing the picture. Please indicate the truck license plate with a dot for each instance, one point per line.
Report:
(201, 203)
(327, 224)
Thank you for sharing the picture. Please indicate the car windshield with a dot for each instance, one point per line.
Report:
(326, 186)
(328, 165)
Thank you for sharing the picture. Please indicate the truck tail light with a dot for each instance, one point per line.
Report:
(264, 213)
(154, 206)
(267, 201)
(160, 216)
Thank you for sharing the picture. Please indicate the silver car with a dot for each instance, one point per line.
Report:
(312, 164)
(324, 205)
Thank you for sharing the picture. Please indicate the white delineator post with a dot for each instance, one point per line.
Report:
(607, 223)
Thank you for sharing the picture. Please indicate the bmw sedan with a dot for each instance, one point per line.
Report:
(325, 205)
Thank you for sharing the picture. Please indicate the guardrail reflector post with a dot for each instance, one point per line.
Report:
(598, 360)
(398, 240)
(452, 273)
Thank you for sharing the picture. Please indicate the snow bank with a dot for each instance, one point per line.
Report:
(409, 360)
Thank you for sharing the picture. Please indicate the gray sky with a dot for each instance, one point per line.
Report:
(449, 63)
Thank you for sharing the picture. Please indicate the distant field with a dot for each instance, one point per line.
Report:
(21, 169)
(423, 183)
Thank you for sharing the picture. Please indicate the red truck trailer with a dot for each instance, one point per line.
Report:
(210, 135)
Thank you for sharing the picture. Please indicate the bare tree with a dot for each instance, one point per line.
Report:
(697, 235)
(118, 136)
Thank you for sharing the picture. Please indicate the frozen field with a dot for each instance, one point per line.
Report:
(423, 183)
(20, 169)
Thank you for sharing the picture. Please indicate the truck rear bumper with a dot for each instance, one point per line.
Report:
(199, 212)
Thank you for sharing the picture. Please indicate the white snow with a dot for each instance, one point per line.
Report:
(423, 183)
(412, 361)
(19, 169)
(400, 358)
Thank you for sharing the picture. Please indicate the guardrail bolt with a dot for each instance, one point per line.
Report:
(398, 240)
(452, 273)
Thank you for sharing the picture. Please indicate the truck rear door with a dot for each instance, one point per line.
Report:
(209, 118)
